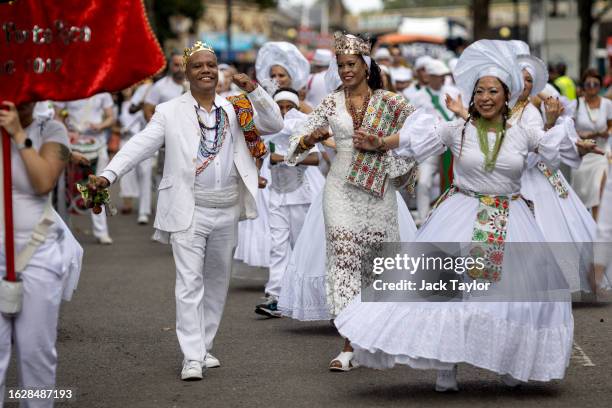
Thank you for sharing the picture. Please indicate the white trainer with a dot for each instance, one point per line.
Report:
(447, 380)
(211, 361)
(143, 219)
(105, 240)
(192, 371)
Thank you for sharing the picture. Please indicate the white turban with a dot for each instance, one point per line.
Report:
(488, 58)
(287, 56)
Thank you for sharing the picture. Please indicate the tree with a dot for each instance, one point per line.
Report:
(587, 20)
(480, 18)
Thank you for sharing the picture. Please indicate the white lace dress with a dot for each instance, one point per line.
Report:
(355, 220)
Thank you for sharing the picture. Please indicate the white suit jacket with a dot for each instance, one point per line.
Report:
(175, 125)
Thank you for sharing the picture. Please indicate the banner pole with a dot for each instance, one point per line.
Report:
(9, 238)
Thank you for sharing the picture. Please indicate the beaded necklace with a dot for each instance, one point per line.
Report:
(357, 114)
(482, 129)
(210, 148)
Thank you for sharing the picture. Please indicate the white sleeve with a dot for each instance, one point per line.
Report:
(548, 144)
(266, 113)
(106, 100)
(140, 147)
(421, 137)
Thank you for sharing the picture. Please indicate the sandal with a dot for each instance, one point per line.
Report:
(344, 358)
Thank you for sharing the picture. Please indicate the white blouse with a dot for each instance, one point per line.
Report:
(468, 165)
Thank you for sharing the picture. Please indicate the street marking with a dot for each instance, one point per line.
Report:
(581, 356)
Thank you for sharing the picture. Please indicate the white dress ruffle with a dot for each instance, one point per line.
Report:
(565, 222)
(303, 287)
(527, 340)
(254, 239)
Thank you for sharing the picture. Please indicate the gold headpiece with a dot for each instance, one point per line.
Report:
(349, 44)
(197, 47)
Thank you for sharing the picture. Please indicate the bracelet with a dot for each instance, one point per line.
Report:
(303, 144)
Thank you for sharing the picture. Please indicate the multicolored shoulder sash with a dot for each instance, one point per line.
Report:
(244, 113)
(553, 178)
(385, 115)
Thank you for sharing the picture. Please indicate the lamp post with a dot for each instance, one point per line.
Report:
(228, 50)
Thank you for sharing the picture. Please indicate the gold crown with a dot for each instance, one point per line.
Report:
(197, 47)
(350, 44)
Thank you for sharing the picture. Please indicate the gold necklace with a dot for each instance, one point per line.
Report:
(518, 107)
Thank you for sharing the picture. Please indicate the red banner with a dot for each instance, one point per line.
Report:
(72, 49)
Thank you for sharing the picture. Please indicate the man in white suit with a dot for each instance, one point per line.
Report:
(210, 180)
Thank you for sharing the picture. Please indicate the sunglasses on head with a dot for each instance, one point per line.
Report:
(592, 84)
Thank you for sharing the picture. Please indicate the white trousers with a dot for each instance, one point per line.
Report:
(286, 222)
(203, 256)
(34, 332)
(137, 184)
(427, 172)
(100, 226)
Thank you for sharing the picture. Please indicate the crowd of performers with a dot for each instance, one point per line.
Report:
(307, 169)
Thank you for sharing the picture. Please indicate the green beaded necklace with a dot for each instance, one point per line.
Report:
(482, 129)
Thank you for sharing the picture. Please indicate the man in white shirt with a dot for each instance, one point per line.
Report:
(431, 97)
(92, 118)
(169, 87)
(210, 181)
(421, 77)
(316, 88)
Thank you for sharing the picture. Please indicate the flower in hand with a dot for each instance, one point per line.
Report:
(366, 141)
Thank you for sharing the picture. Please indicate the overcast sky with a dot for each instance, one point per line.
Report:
(354, 6)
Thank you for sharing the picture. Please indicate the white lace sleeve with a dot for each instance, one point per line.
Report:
(316, 120)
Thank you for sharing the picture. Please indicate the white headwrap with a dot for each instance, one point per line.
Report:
(287, 96)
(488, 58)
(332, 77)
(537, 69)
(535, 66)
(287, 56)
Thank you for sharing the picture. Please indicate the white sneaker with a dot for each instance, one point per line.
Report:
(192, 371)
(105, 240)
(143, 219)
(211, 361)
(447, 380)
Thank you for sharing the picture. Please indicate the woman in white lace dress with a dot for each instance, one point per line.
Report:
(519, 336)
(360, 208)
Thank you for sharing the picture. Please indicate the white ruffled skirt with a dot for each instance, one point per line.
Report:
(567, 224)
(527, 340)
(253, 246)
(303, 292)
